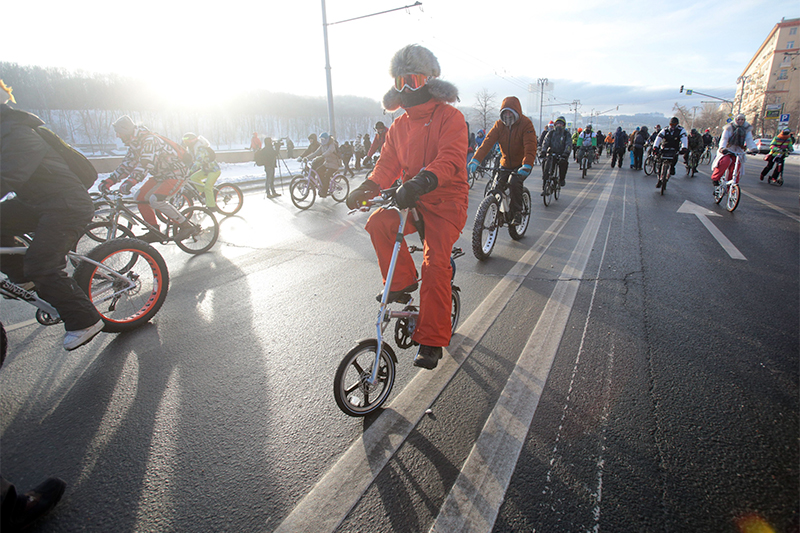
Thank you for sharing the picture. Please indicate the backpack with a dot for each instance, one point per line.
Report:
(183, 154)
(76, 161)
(261, 157)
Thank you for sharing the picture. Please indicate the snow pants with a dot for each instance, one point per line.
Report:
(443, 224)
(156, 193)
(207, 180)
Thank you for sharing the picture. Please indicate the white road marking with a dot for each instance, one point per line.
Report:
(327, 504)
(702, 214)
(771, 206)
(479, 490)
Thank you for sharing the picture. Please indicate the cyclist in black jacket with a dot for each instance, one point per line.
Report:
(52, 202)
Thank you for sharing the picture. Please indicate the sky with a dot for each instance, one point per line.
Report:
(634, 55)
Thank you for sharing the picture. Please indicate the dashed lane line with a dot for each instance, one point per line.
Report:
(328, 503)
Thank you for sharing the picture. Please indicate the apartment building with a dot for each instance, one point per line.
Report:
(769, 86)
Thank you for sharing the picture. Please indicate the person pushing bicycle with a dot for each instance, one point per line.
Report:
(150, 156)
(779, 148)
(425, 149)
(558, 142)
(517, 138)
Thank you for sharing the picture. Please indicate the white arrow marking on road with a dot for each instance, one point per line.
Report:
(703, 214)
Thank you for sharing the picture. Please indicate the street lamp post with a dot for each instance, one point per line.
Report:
(331, 122)
(542, 82)
(742, 80)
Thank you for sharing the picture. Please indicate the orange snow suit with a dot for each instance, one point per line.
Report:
(430, 136)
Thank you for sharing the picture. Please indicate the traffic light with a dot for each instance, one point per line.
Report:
(681, 88)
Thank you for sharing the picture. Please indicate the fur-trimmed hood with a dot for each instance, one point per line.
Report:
(439, 89)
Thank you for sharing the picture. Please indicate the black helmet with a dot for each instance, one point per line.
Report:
(561, 120)
(674, 121)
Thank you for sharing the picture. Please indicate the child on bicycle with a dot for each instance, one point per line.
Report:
(205, 170)
(779, 148)
(737, 137)
(425, 148)
(517, 138)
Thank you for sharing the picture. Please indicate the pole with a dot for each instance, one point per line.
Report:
(331, 121)
(542, 82)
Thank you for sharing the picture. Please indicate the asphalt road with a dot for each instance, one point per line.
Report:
(617, 369)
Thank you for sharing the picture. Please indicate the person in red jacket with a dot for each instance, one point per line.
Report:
(425, 148)
(380, 138)
(517, 137)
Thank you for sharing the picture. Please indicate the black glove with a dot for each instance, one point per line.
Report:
(365, 191)
(684, 151)
(410, 191)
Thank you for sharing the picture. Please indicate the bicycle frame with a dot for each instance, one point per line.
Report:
(734, 172)
(15, 292)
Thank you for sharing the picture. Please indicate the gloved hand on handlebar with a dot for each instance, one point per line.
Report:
(524, 171)
(684, 151)
(365, 191)
(126, 186)
(105, 185)
(409, 192)
(472, 166)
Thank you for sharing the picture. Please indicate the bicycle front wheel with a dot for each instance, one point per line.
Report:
(204, 234)
(130, 286)
(302, 192)
(733, 197)
(340, 188)
(665, 171)
(484, 231)
(351, 389)
(518, 231)
(229, 199)
(455, 310)
(547, 189)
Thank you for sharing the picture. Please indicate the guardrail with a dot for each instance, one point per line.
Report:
(110, 163)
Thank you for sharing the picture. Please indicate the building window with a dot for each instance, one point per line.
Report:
(790, 44)
(784, 74)
(793, 31)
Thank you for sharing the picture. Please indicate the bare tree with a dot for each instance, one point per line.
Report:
(683, 113)
(485, 108)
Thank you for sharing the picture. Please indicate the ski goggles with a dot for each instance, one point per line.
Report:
(412, 81)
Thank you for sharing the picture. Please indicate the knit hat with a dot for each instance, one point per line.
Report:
(124, 125)
(416, 59)
(5, 94)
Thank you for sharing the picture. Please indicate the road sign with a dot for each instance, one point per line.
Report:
(729, 120)
(689, 92)
(784, 118)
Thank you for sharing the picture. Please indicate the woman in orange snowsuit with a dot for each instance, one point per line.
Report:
(426, 148)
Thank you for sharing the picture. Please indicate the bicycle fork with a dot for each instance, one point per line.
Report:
(384, 309)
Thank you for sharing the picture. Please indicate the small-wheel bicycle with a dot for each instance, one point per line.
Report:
(778, 172)
(551, 187)
(303, 188)
(126, 279)
(366, 374)
(730, 187)
(494, 213)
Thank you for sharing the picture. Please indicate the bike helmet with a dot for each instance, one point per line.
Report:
(580, 130)
(189, 138)
(786, 131)
(589, 127)
(561, 120)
